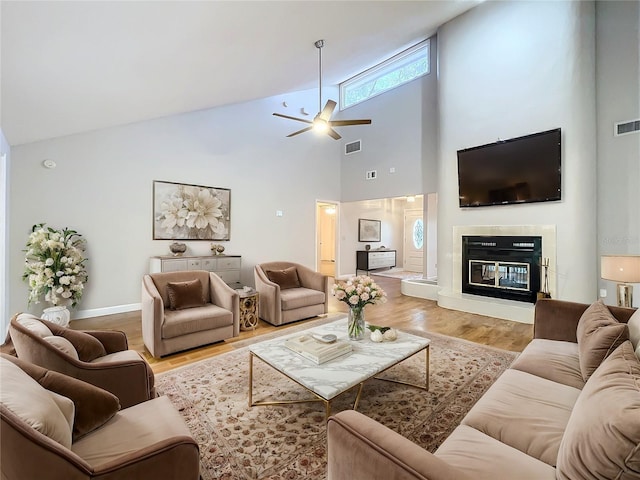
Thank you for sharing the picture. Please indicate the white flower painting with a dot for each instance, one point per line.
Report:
(190, 212)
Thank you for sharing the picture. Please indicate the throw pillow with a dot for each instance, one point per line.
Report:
(287, 278)
(93, 406)
(32, 403)
(602, 438)
(599, 334)
(88, 347)
(634, 329)
(185, 294)
(62, 344)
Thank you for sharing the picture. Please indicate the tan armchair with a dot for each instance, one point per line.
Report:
(60, 428)
(187, 309)
(290, 291)
(101, 358)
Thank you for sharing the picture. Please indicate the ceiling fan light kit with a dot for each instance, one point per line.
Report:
(322, 122)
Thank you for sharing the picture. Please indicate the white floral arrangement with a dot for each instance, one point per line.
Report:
(358, 292)
(193, 212)
(55, 265)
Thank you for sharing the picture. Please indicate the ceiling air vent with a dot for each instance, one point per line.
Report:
(625, 128)
(353, 147)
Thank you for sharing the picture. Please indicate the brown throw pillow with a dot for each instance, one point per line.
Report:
(185, 294)
(287, 278)
(602, 438)
(93, 406)
(88, 347)
(599, 334)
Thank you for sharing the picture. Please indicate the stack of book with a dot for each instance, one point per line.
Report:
(316, 351)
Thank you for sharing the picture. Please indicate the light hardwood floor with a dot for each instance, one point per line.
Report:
(400, 312)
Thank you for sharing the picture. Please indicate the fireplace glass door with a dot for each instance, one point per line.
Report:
(503, 275)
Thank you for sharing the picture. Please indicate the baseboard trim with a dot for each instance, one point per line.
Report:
(99, 312)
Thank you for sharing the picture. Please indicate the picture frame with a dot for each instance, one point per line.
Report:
(369, 230)
(190, 212)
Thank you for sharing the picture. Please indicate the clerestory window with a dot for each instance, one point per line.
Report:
(391, 73)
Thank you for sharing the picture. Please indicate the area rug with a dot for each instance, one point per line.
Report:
(289, 441)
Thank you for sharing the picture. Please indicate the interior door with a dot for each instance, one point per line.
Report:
(326, 239)
(414, 236)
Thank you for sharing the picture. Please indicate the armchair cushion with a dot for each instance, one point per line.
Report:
(92, 406)
(88, 347)
(287, 278)
(33, 403)
(599, 334)
(62, 344)
(185, 294)
(33, 324)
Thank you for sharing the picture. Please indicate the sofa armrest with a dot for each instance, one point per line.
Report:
(359, 448)
(112, 340)
(226, 297)
(269, 297)
(313, 280)
(152, 314)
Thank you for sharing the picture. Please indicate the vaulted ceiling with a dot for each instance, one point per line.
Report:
(69, 67)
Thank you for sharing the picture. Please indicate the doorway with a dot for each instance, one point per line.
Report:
(414, 235)
(326, 237)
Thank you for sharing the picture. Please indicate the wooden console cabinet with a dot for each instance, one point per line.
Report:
(227, 267)
(368, 260)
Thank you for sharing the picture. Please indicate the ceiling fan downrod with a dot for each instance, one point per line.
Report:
(319, 44)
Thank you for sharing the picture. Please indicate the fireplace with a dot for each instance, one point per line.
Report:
(502, 266)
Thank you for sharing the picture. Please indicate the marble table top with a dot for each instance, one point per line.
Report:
(336, 376)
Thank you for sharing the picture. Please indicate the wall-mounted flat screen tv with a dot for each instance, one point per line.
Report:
(519, 170)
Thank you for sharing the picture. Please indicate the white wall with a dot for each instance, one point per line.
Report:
(618, 99)
(102, 187)
(5, 160)
(509, 69)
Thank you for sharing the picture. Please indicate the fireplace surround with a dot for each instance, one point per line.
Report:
(505, 267)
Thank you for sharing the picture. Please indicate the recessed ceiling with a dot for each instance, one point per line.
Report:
(70, 67)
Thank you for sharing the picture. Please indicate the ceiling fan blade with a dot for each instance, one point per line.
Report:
(328, 109)
(333, 134)
(292, 118)
(346, 123)
(300, 131)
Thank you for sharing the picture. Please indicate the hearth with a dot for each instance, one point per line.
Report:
(502, 266)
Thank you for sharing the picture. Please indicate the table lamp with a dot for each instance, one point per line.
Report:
(623, 269)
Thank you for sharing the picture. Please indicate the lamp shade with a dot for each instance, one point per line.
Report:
(621, 268)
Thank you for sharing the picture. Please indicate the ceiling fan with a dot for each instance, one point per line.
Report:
(322, 121)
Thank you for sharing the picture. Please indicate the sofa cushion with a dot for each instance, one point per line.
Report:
(551, 359)
(485, 458)
(34, 325)
(602, 439)
(62, 344)
(87, 346)
(182, 322)
(33, 403)
(599, 334)
(526, 412)
(300, 297)
(185, 294)
(634, 329)
(287, 278)
(93, 405)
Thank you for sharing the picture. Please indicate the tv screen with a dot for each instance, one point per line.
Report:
(519, 170)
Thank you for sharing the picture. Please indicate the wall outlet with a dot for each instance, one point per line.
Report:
(603, 293)
(392, 170)
(279, 213)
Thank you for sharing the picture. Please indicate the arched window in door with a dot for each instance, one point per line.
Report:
(418, 234)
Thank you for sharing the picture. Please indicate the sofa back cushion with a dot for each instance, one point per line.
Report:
(35, 405)
(599, 334)
(634, 331)
(602, 438)
(185, 294)
(286, 278)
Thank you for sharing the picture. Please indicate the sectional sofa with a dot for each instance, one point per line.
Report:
(568, 408)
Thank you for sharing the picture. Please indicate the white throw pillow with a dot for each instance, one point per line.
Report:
(634, 329)
(34, 324)
(33, 403)
(62, 344)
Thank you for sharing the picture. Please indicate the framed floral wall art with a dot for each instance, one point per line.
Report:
(190, 212)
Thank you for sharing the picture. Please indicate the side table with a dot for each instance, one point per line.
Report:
(248, 309)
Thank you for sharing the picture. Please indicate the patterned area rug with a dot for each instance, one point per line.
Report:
(289, 441)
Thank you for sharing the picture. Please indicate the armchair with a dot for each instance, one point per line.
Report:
(60, 428)
(290, 291)
(187, 309)
(100, 358)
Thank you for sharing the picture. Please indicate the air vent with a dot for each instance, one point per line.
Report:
(353, 147)
(372, 174)
(625, 128)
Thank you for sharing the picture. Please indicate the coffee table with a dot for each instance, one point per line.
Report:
(335, 377)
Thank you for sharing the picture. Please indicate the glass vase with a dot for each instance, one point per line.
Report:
(355, 323)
